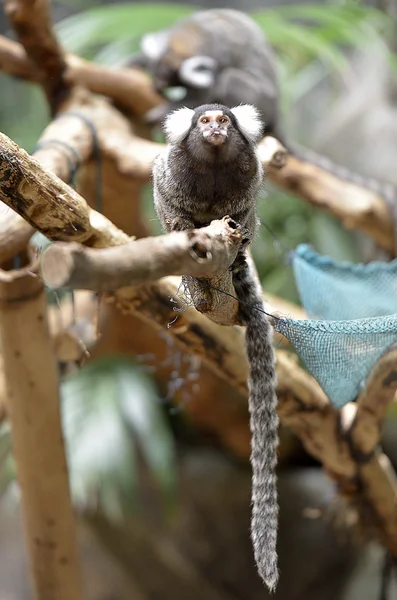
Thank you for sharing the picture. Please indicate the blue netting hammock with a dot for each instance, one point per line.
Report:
(353, 320)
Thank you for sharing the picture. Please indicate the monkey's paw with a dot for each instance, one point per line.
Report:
(246, 238)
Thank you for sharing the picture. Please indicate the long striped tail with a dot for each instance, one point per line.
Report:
(264, 424)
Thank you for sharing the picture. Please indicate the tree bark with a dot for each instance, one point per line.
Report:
(34, 409)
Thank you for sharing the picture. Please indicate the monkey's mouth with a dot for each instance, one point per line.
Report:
(215, 137)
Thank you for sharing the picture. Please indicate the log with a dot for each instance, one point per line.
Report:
(32, 23)
(32, 385)
(131, 88)
(48, 204)
(354, 205)
(201, 253)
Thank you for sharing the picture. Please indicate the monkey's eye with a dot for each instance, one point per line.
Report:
(204, 120)
(223, 120)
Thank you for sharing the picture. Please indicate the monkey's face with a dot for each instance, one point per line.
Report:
(213, 126)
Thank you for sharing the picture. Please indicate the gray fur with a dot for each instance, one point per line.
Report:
(264, 424)
(194, 183)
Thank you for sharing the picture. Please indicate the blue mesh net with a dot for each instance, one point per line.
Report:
(335, 291)
(353, 310)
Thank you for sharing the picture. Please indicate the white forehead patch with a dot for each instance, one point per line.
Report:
(249, 121)
(213, 113)
(177, 125)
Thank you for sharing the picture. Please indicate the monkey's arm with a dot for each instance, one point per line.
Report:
(167, 201)
(172, 218)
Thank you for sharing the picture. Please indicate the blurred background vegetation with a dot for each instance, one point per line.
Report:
(337, 68)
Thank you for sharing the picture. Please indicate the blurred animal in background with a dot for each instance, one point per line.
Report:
(216, 56)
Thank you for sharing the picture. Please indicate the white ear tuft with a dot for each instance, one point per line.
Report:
(153, 45)
(249, 121)
(177, 125)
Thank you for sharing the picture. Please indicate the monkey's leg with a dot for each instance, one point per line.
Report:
(248, 230)
(171, 217)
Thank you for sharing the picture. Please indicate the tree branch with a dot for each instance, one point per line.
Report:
(355, 206)
(372, 404)
(48, 204)
(34, 407)
(68, 141)
(201, 253)
(131, 88)
(31, 21)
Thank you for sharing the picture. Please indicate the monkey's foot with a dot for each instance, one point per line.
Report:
(246, 234)
(179, 224)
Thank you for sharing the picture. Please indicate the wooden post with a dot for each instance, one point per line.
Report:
(33, 402)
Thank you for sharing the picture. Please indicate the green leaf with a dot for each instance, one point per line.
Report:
(104, 24)
(331, 239)
(304, 31)
(110, 409)
(101, 457)
(139, 403)
(7, 463)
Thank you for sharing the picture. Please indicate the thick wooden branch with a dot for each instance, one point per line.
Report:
(201, 253)
(48, 204)
(356, 207)
(372, 405)
(67, 143)
(131, 88)
(32, 385)
(31, 21)
(15, 234)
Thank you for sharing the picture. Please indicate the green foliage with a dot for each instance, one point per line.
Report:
(119, 25)
(7, 465)
(111, 417)
(23, 111)
(292, 221)
(110, 412)
(299, 33)
(312, 31)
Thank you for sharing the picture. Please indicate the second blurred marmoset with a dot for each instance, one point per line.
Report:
(218, 56)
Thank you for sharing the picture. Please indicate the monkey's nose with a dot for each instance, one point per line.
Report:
(215, 129)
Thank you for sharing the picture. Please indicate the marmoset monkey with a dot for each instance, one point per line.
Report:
(211, 169)
(218, 56)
